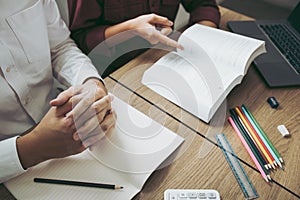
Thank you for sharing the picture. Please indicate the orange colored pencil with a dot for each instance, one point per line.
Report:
(255, 136)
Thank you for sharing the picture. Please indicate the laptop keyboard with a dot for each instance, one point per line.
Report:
(285, 41)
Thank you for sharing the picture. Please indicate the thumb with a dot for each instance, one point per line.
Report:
(166, 30)
(63, 97)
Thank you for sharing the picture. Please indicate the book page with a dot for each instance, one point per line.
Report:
(137, 146)
(199, 78)
(231, 53)
(136, 139)
(81, 167)
(176, 79)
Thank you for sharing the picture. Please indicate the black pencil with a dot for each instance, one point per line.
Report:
(77, 183)
(249, 141)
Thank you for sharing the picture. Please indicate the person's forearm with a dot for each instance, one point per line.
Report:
(28, 151)
(122, 32)
(208, 23)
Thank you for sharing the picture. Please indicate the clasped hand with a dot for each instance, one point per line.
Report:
(78, 118)
(87, 111)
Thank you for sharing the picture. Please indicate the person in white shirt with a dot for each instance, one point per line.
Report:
(35, 124)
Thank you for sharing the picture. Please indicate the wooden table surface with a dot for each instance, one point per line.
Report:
(198, 163)
(202, 165)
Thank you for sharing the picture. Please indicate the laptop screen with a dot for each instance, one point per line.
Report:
(294, 18)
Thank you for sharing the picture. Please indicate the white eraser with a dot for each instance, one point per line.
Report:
(283, 130)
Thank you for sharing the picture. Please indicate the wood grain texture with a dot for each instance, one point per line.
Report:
(194, 171)
(211, 171)
(192, 168)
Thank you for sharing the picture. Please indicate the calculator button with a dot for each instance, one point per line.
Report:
(211, 195)
(202, 195)
(173, 196)
(192, 195)
(182, 195)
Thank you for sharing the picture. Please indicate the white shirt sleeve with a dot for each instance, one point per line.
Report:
(71, 66)
(9, 162)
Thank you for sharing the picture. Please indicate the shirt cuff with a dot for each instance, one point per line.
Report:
(85, 73)
(206, 13)
(9, 159)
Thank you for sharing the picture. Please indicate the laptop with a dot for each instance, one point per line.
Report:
(280, 66)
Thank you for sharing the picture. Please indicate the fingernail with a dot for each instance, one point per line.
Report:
(69, 115)
(53, 102)
(76, 136)
(69, 121)
(111, 96)
(180, 47)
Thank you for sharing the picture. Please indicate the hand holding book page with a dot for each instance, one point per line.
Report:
(199, 78)
(126, 157)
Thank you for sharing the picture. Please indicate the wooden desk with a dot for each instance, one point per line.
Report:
(208, 169)
(198, 163)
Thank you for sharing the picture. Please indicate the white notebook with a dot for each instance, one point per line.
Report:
(127, 157)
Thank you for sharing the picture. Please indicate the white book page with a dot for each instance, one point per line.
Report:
(199, 78)
(81, 167)
(137, 146)
(176, 79)
(231, 53)
(116, 159)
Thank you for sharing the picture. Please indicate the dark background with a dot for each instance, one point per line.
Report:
(261, 9)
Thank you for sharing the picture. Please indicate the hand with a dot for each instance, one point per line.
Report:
(51, 138)
(146, 26)
(91, 112)
(77, 119)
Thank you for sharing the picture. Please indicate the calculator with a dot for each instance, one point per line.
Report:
(191, 194)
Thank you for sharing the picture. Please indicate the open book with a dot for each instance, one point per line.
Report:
(199, 78)
(126, 157)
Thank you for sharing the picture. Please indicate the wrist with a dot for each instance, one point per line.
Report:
(208, 23)
(130, 24)
(118, 28)
(97, 82)
(29, 151)
(124, 29)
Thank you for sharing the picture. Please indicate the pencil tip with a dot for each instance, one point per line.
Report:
(281, 160)
(267, 180)
(280, 165)
(269, 177)
(273, 166)
(269, 166)
(266, 166)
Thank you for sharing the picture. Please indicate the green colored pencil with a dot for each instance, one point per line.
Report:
(263, 134)
(250, 143)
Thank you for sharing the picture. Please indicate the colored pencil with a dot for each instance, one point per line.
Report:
(263, 133)
(262, 137)
(255, 136)
(248, 137)
(250, 152)
(249, 141)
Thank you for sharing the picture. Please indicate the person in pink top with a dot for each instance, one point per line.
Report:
(93, 21)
